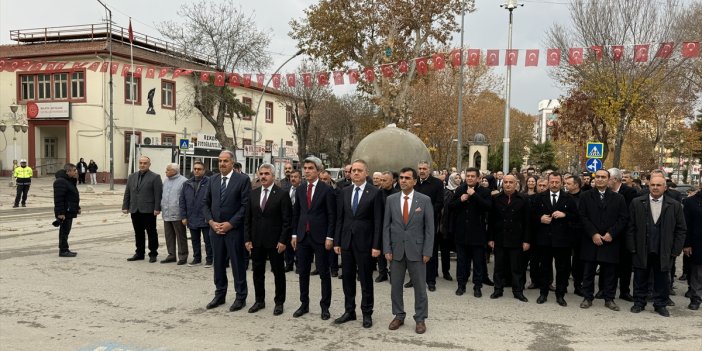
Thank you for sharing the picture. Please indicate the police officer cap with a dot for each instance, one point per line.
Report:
(23, 161)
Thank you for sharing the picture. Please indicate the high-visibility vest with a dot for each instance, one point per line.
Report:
(23, 172)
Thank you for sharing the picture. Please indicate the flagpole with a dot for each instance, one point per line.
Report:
(134, 92)
(112, 122)
(510, 6)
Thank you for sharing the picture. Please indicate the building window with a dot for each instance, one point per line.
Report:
(168, 139)
(288, 115)
(127, 138)
(27, 90)
(168, 94)
(78, 85)
(269, 112)
(61, 86)
(246, 142)
(44, 86)
(246, 101)
(269, 145)
(132, 89)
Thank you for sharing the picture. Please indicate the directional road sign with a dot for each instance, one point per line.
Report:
(593, 165)
(184, 144)
(594, 150)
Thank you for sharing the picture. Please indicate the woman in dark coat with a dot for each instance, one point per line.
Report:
(92, 169)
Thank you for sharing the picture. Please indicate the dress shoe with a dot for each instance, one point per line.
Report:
(257, 307)
(195, 262)
(215, 302)
(611, 305)
(694, 305)
(586, 303)
(461, 290)
(496, 295)
(688, 293)
(578, 292)
(448, 276)
(237, 305)
(15, 206)
(395, 324)
(24, 205)
(304, 309)
(521, 297)
(599, 295)
(346, 317)
(67, 254)
(532, 286)
(409, 284)
(561, 301)
(135, 258)
(314, 272)
(662, 311)
(152, 259)
(325, 314)
(278, 310)
(541, 299)
(421, 328)
(626, 297)
(670, 302)
(182, 262)
(488, 282)
(636, 309)
(367, 321)
(335, 274)
(431, 287)
(381, 278)
(477, 293)
(168, 260)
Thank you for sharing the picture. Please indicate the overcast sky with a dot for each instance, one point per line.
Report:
(485, 28)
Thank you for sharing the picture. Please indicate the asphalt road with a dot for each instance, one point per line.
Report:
(99, 301)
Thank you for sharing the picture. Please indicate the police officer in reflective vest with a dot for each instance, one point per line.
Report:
(23, 179)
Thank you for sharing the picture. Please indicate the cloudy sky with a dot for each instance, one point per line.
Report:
(486, 29)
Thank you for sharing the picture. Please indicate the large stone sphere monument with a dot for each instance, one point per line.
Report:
(390, 149)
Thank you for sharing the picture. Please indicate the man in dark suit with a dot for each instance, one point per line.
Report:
(603, 216)
(655, 237)
(469, 207)
(358, 229)
(387, 189)
(572, 185)
(434, 188)
(555, 212)
(624, 269)
(346, 181)
(295, 181)
(692, 207)
(267, 228)
(142, 198)
(224, 209)
(408, 240)
(314, 216)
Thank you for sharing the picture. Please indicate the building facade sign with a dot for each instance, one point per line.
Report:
(49, 110)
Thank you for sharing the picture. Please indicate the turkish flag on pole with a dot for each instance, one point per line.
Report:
(387, 70)
(247, 80)
(353, 76)
(575, 56)
(403, 66)
(234, 80)
(338, 77)
(553, 57)
(492, 58)
(131, 32)
(511, 56)
(641, 53)
(598, 50)
(438, 61)
(150, 72)
(617, 52)
(456, 57)
(276, 80)
(421, 64)
(532, 58)
(473, 57)
(665, 50)
(690, 49)
(369, 73)
(162, 73)
(290, 77)
(307, 79)
(323, 78)
(219, 79)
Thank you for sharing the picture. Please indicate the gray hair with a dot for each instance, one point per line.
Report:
(268, 166)
(228, 152)
(424, 163)
(377, 174)
(314, 160)
(615, 173)
(68, 166)
(174, 166)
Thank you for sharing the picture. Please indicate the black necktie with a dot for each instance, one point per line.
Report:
(223, 189)
(554, 200)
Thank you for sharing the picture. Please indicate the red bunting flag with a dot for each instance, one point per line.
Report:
(247, 80)
(138, 70)
(104, 67)
(553, 57)
(665, 50)
(338, 77)
(260, 78)
(131, 32)
(617, 52)
(353, 76)
(23, 65)
(59, 66)
(575, 56)
(403, 66)
(49, 66)
(456, 57)
(234, 80)
(38, 65)
(125, 70)
(114, 68)
(641, 53)
(438, 61)
(598, 50)
(94, 66)
(2, 65)
(150, 72)
(421, 64)
(219, 79)
(322, 78)
(307, 79)
(387, 70)
(369, 74)
(473, 57)
(290, 77)
(276, 80)
(532, 58)
(690, 49)
(177, 73)
(492, 58)
(162, 72)
(511, 56)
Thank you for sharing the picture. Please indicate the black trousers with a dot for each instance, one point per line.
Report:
(197, 243)
(306, 252)
(546, 255)
(64, 230)
(22, 190)
(467, 254)
(433, 265)
(145, 222)
(661, 282)
(362, 261)
(81, 178)
(289, 254)
(229, 247)
(259, 256)
(509, 263)
(578, 268)
(608, 280)
(624, 271)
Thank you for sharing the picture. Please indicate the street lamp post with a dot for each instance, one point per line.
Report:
(112, 122)
(459, 139)
(509, 6)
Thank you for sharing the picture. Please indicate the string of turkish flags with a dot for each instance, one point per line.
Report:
(437, 61)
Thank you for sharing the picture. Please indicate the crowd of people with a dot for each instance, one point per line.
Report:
(549, 226)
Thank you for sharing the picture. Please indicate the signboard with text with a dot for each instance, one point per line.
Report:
(48, 110)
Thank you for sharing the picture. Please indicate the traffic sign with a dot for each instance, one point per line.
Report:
(594, 150)
(593, 165)
(184, 144)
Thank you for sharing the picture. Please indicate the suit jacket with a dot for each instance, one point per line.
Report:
(363, 229)
(509, 220)
(628, 192)
(672, 231)
(559, 233)
(433, 188)
(144, 196)
(468, 219)
(692, 207)
(321, 215)
(232, 207)
(414, 239)
(272, 225)
(608, 216)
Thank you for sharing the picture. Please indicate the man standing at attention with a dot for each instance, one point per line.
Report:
(66, 205)
(23, 179)
(434, 188)
(408, 242)
(172, 219)
(191, 199)
(224, 209)
(142, 198)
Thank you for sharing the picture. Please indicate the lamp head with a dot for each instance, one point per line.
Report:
(13, 108)
(3, 127)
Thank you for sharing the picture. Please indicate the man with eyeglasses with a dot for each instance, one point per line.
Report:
(191, 199)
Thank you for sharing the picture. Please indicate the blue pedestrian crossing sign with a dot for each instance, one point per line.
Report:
(184, 144)
(593, 165)
(594, 150)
